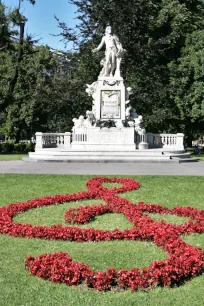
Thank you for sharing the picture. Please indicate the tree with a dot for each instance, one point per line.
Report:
(187, 85)
(36, 91)
(154, 33)
(46, 94)
(30, 109)
(164, 43)
(6, 48)
(5, 35)
(68, 98)
(17, 19)
(12, 57)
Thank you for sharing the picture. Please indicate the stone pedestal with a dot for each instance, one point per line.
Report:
(143, 146)
(180, 141)
(39, 140)
(106, 139)
(67, 140)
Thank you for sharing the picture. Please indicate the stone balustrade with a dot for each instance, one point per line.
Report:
(64, 140)
(142, 137)
(79, 137)
(53, 140)
(175, 141)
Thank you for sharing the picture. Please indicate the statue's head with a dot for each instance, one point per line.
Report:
(108, 30)
(129, 90)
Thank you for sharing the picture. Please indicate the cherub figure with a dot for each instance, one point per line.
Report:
(139, 125)
(128, 111)
(91, 90)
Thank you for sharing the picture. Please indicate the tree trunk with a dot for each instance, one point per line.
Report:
(19, 59)
(189, 140)
(14, 78)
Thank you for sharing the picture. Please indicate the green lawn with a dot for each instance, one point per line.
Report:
(12, 156)
(18, 288)
(200, 156)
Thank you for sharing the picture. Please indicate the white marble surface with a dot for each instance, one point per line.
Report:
(113, 54)
(110, 85)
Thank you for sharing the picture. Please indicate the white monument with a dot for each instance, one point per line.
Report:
(111, 130)
(110, 124)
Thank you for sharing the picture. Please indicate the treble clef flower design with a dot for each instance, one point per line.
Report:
(184, 261)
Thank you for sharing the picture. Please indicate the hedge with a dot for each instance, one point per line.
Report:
(16, 148)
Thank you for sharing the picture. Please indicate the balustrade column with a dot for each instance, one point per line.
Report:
(179, 141)
(67, 140)
(60, 141)
(39, 140)
(163, 140)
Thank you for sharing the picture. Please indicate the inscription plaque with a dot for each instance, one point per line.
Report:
(110, 104)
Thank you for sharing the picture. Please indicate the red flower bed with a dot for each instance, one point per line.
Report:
(84, 214)
(184, 261)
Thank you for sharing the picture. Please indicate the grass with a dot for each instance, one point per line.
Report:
(168, 218)
(12, 156)
(18, 288)
(199, 156)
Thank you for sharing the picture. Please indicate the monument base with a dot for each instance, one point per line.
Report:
(108, 156)
(105, 139)
(113, 145)
(103, 147)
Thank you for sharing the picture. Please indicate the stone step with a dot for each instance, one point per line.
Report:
(183, 155)
(147, 153)
(185, 160)
(108, 159)
(151, 155)
(102, 156)
(138, 160)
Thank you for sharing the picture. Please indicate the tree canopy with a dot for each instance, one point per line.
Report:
(163, 64)
(155, 35)
(34, 93)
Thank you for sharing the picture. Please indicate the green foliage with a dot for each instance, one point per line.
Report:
(37, 92)
(16, 148)
(4, 30)
(187, 83)
(154, 34)
(163, 64)
(28, 111)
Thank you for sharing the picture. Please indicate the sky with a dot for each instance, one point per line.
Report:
(41, 21)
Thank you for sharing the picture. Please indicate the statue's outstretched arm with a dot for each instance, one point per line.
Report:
(100, 46)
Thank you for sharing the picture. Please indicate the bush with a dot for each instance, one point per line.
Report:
(16, 148)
